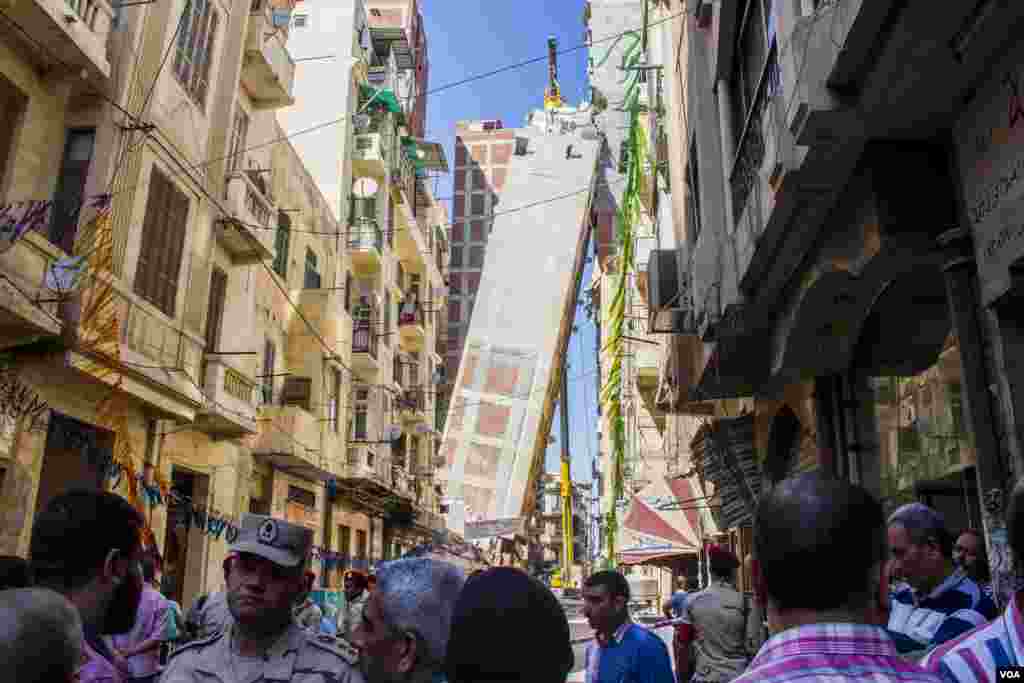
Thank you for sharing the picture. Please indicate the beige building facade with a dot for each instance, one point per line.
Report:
(190, 342)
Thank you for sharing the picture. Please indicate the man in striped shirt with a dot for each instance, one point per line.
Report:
(939, 601)
(976, 655)
(819, 544)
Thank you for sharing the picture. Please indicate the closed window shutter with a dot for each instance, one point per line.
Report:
(215, 318)
(163, 239)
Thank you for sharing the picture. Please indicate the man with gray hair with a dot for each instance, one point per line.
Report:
(941, 602)
(40, 636)
(403, 634)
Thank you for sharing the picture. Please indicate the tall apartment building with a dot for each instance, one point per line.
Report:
(196, 348)
(483, 152)
(806, 247)
(363, 67)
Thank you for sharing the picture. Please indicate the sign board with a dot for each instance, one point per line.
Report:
(989, 138)
(489, 528)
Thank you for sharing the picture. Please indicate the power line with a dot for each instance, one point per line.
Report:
(433, 91)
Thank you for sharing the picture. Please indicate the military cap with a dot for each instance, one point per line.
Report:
(283, 543)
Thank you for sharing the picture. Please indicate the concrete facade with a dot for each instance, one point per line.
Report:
(501, 411)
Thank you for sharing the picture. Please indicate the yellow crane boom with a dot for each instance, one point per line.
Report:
(553, 94)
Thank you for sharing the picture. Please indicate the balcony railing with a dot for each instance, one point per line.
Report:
(364, 340)
(269, 70)
(365, 235)
(751, 149)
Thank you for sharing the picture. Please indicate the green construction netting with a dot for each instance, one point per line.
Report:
(381, 99)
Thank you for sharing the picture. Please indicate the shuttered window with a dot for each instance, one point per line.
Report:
(348, 292)
(194, 51)
(269, 353)
(215, 316)
(163, 239)
(282, 241)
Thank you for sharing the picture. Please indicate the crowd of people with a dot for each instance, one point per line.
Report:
(841, 592)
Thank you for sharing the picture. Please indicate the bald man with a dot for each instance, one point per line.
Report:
(40, 636)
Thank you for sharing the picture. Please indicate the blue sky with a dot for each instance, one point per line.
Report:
(470, 37)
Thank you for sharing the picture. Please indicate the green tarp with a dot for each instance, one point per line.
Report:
(381, 99)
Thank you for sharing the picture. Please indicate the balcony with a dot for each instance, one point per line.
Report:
(369, 471)
(25, 314)
(412, 405)
(371, 154)
(289, 438)
(268, 72)
(365, 349)
(412, 334)
(249, 238)
(71, 34)
(230, 409)
(156, 358)
(365, 246)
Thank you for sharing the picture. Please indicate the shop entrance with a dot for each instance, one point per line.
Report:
(74, 457)
(184, 541)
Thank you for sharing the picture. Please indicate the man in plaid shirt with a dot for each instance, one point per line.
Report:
(820, 545)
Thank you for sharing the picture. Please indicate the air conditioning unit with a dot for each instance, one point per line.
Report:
(669, 311)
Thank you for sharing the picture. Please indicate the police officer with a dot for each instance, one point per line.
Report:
(264, 575)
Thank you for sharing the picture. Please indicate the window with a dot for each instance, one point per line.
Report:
(360, 544)
(215, 311)
(693, 196)
(302, 496)
(364, 209)
(335, 400)
(396, 368)
(312, 276)
(476, 257)
(387, 319)
(755, 39)
(348, 292)
(359, 424)
(344, 540)
(195, 48)
(269, 353)
(74, 171)
(282, 240)
(375, 13)
(239, 134)
(476, 206)
(456, 260)
(163, 240)
(301, 20)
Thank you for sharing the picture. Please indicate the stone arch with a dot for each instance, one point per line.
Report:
(783, 446)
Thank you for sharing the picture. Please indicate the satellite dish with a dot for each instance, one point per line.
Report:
(392, 433)
(365, 188)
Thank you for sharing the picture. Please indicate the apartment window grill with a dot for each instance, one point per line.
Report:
(312, 274)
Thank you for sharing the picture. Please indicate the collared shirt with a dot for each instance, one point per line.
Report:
(295, 657)
(831, 653)
(308, 616)
(215, 616)
(719, 615)
(954, 607)
(678, 603)
(633, 654)
(149, 625)
(975, 655)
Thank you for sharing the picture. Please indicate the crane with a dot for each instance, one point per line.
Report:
(553, 94)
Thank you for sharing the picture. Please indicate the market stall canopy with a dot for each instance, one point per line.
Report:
(656, 558)
(671, 511)
(382, 98)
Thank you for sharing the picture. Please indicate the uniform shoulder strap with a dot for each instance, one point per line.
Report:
(197, 644)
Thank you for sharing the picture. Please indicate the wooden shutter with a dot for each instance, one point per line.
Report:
(215, 315)
(268, 372)
(163, 240)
